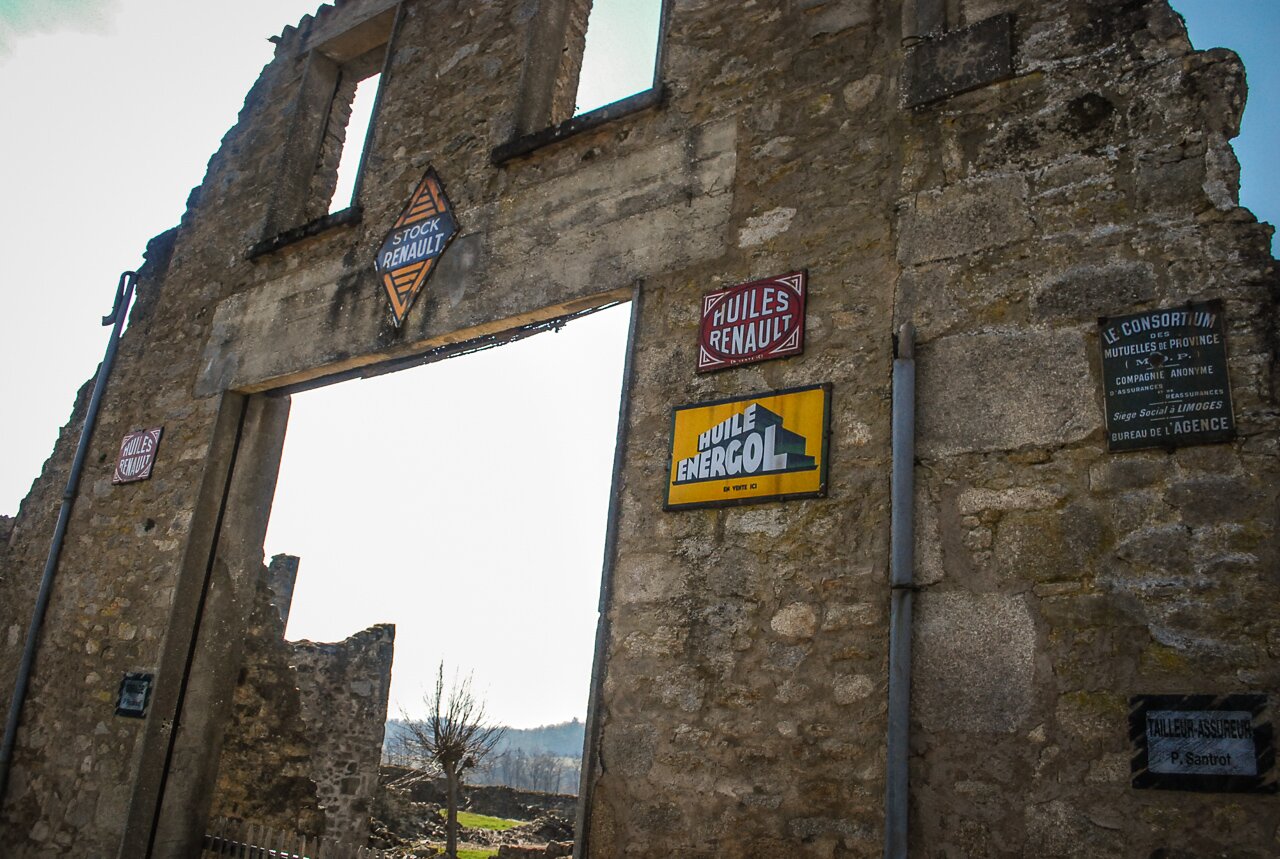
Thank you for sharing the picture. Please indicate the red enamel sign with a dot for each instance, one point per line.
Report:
(752, 322)
(137, 455)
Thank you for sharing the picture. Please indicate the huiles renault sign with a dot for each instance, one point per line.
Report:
(752, 322)
(750, 449)
(137, 455)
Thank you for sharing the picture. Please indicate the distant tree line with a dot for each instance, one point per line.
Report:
(546, 758)
(538, 771)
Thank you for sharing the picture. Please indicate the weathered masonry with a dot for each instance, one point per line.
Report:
(1092, 623)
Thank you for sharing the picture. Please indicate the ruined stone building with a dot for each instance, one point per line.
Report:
(1094, 647)
(302, 747)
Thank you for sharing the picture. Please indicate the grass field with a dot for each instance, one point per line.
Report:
(483, 821)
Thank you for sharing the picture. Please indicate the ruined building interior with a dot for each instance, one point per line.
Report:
(1017, 221)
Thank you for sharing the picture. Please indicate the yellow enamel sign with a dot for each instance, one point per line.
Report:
(750, 449)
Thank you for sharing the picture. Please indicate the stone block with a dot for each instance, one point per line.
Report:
(836, 16)
(862, 92)
(963, 218)
(642, 578)
(1211, 499)
(629, 749)
(1004, 391)
(769, 225)
(1057, 828)
(959, 61)
(1165, 548)
(795, 621)
(1085, 292)
(1169, 183)
(973, 662)
(520, 851)
(1130, 471)
(929, 568)
(1048, 545)
(849, 688)
(976, 500)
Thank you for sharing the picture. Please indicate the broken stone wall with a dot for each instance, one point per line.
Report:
(344, 692)
(305, 740)
(267, 770)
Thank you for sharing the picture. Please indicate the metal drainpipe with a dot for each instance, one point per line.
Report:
(124, 295)
(901, 583)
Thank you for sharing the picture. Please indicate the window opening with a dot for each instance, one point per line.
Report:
(331, 123)
(349, 86)
(621, 54)
(354, 139)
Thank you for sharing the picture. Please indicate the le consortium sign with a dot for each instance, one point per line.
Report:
(750, 449)
(1166, 377)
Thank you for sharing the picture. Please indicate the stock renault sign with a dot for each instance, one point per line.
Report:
(409, 252)
(750, 449)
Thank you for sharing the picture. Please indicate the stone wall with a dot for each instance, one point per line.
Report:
(998, 172)
(305, 740)
(344, 691)
(1062, 579)
(267, 770)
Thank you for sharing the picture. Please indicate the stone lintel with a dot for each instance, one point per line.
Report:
(959, 61)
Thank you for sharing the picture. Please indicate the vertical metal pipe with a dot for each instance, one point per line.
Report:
(119, 312)
(901, 583)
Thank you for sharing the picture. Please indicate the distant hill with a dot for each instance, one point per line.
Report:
(562, 740)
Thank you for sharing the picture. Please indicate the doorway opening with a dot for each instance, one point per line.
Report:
(458, 508)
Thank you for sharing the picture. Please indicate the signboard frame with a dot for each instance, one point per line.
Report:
(820, 468)
(1255, 704)
(783, 345)
(1164, 374)
(408, 254)
(134, 695)
(150, 439)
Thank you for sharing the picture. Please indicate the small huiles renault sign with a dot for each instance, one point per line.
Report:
(750, 449)
(137, 455)
(409, 252)
(752, 322)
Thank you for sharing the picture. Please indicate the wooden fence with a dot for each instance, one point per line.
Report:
(234, 838)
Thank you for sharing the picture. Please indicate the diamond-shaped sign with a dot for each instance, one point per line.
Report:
(137, 455)
(410, 250)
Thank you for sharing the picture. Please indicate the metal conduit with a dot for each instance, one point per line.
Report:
(902, 585)
(119, 312)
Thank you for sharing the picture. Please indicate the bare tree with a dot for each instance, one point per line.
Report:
(455, 737)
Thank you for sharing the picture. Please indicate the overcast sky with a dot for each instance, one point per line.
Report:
(111, 110)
